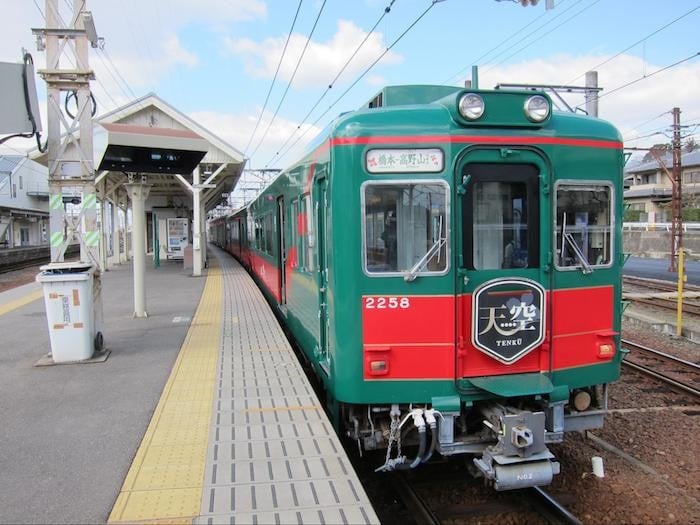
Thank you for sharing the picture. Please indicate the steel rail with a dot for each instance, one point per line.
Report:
(562, 514)
(413, 502)
(659, 353)
(657, 284)
(675, 384)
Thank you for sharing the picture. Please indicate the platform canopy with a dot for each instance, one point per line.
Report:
(151, 122)
(142, 149)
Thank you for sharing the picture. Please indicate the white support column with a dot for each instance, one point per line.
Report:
(197, 224)
(102, 236)
(204, 237)
(121, 233)
(138, 192)
(115, 233)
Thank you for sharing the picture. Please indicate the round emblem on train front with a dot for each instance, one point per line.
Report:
(508, 318)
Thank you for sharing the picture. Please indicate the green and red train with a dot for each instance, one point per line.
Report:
(449, 261)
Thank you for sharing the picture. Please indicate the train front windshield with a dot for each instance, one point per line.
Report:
(405, 227)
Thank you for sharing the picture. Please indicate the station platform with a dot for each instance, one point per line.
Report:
(201, 413)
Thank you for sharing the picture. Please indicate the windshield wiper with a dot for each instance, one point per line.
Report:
(585, 267)
(434, 249)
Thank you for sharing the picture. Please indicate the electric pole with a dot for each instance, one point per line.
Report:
(70, 152)
(676, 196)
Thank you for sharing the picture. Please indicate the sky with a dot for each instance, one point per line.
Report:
(215, 60)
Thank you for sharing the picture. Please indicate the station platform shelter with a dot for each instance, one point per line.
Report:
(155, 214)
(201, 413)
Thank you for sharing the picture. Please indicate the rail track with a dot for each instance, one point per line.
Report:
(680, 374)
(21, 258)
(534, 500)
(662, 294)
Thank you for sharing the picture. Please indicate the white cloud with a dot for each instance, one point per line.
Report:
(176, 54)
(322, 60)
(236, 129)
(376, 80)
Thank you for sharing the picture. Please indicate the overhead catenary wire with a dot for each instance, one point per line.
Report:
(289, 84)
(506, 40)
(274, 78)
(539, 37)
(644, 77)
(283, 152)
(386, 11)
(637, 42)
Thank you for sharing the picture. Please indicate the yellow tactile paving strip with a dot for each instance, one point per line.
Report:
(165, 481)
(18, 303)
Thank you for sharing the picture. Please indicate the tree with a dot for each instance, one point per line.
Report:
(659, 149)
(690, 145)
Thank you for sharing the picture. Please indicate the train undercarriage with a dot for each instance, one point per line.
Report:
(507, 439)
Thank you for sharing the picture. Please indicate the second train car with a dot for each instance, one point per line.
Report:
(449, 260)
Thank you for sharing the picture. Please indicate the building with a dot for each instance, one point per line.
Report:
(24, 202)
(650, 189)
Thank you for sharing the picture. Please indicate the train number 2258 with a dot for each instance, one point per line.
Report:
(386, 303)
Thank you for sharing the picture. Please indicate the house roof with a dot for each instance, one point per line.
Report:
(9, 163)
(691, 159)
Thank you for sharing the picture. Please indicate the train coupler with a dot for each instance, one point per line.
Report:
(508, 473)
(519, 458)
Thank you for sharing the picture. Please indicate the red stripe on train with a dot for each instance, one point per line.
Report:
(475, 139)
(415, 339)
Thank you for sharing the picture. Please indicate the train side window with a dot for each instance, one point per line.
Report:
(269, 227)
(405, 228)
(308, 218)
(584, 227)
(258, 234)
(292, 242)
(251, 231)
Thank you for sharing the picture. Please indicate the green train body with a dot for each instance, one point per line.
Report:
(450, 271)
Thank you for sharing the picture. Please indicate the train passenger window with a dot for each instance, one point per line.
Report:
(294, 238)
(308, 218)
(269, 227)
(584, 226)
(252, 231)
(258, 234)
(405, 227)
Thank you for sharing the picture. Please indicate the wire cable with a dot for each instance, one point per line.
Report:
(281, 153)
(289, 84)
(484, 55)
(386, 11)
(523, 48)
(636, 43)
(274, 78)
(644, 77)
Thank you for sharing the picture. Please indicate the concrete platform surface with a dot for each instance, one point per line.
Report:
(68, 434)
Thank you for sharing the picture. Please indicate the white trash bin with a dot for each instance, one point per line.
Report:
(72, 295)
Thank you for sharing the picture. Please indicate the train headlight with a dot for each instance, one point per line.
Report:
(471, 106)
(536, 108)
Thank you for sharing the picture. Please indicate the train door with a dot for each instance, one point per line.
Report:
(502, 239)
(320, 206)
(281, 252)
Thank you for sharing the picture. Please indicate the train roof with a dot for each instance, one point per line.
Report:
(423, 107)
